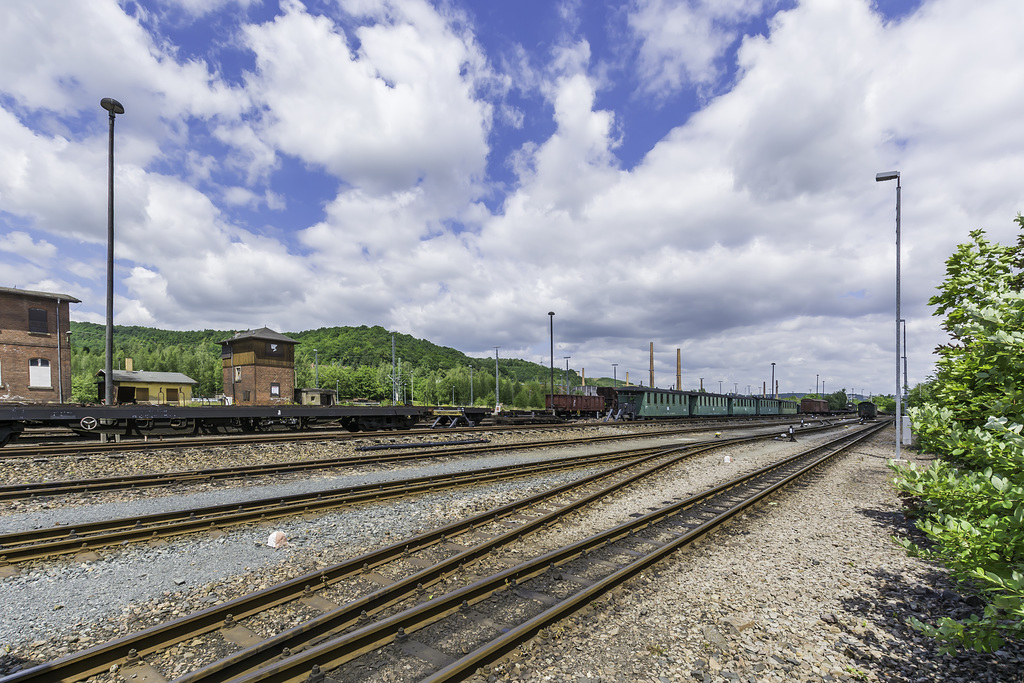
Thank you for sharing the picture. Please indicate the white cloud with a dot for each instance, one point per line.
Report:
(681, 42)
(22, 244)
(752, 232)
(386, 109)
(64, 57)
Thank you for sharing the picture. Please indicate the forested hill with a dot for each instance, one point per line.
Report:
(330, 355)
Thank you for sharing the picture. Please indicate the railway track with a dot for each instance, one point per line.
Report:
(346, 631)
(83, 446)
(142, 481)
(22, 546)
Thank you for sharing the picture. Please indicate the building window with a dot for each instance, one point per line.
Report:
(142, 394)
(39, 373)
(37, 320)
(238, 373)
(172, 395)
(274, 349)
(275, 389)
(245, 395)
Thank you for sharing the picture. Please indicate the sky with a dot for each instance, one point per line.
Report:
(696, 174)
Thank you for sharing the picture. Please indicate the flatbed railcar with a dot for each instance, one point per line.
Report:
(143, 420)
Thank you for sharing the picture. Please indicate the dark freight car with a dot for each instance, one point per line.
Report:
(813, 406)
(867, 410)
(575, 405)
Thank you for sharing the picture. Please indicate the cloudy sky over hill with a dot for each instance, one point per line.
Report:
(700, 173)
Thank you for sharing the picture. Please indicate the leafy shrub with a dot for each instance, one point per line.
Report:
(971, 501)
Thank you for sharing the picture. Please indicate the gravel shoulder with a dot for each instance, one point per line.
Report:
(810, 587)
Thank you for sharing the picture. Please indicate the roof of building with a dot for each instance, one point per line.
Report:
(44, 295)
(261, 333)
(150, 377)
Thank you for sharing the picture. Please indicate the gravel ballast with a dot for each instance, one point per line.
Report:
(809, 587)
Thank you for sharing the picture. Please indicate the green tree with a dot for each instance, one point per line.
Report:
(972, 499)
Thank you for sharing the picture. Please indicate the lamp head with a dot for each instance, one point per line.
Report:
(887, 175)
(112, 105)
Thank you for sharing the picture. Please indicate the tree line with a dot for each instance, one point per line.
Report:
(355, 361)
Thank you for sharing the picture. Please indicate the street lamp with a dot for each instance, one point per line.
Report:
(719, 386)
(775, 394)
(567, 374)
(113, 107)
(316, 370)
(615, 378)
(551, 319)
(816, 384)
(879, 177)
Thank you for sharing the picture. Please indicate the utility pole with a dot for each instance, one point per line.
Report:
(497, 397)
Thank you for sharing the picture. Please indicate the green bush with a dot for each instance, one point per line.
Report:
(971, 500)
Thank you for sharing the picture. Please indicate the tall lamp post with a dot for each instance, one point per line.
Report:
(879, 177)
(113, 107)
(775, 394)
(615, 379)
(316, 370)
(551, 319)
(567, 374)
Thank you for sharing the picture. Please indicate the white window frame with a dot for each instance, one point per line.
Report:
(38, 373)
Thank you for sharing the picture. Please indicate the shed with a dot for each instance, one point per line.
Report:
(156, 388)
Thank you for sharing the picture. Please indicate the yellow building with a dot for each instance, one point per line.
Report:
(155, 388)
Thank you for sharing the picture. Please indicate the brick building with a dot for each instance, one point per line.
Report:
(35, 352)
(259, 367)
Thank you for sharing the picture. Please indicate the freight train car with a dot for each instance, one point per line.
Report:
(813, 406)
(575, 405)
(867, 410)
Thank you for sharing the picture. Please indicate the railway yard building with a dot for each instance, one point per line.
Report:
(259, 367)
(156, 388)
(35, 352)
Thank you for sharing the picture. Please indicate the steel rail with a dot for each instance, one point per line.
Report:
(33, 544)
(54, 488)
(14, 452)
(507, 642)
(359, 610)
(21, 546)
(311, 662)
(21, 491)
(77, 666)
